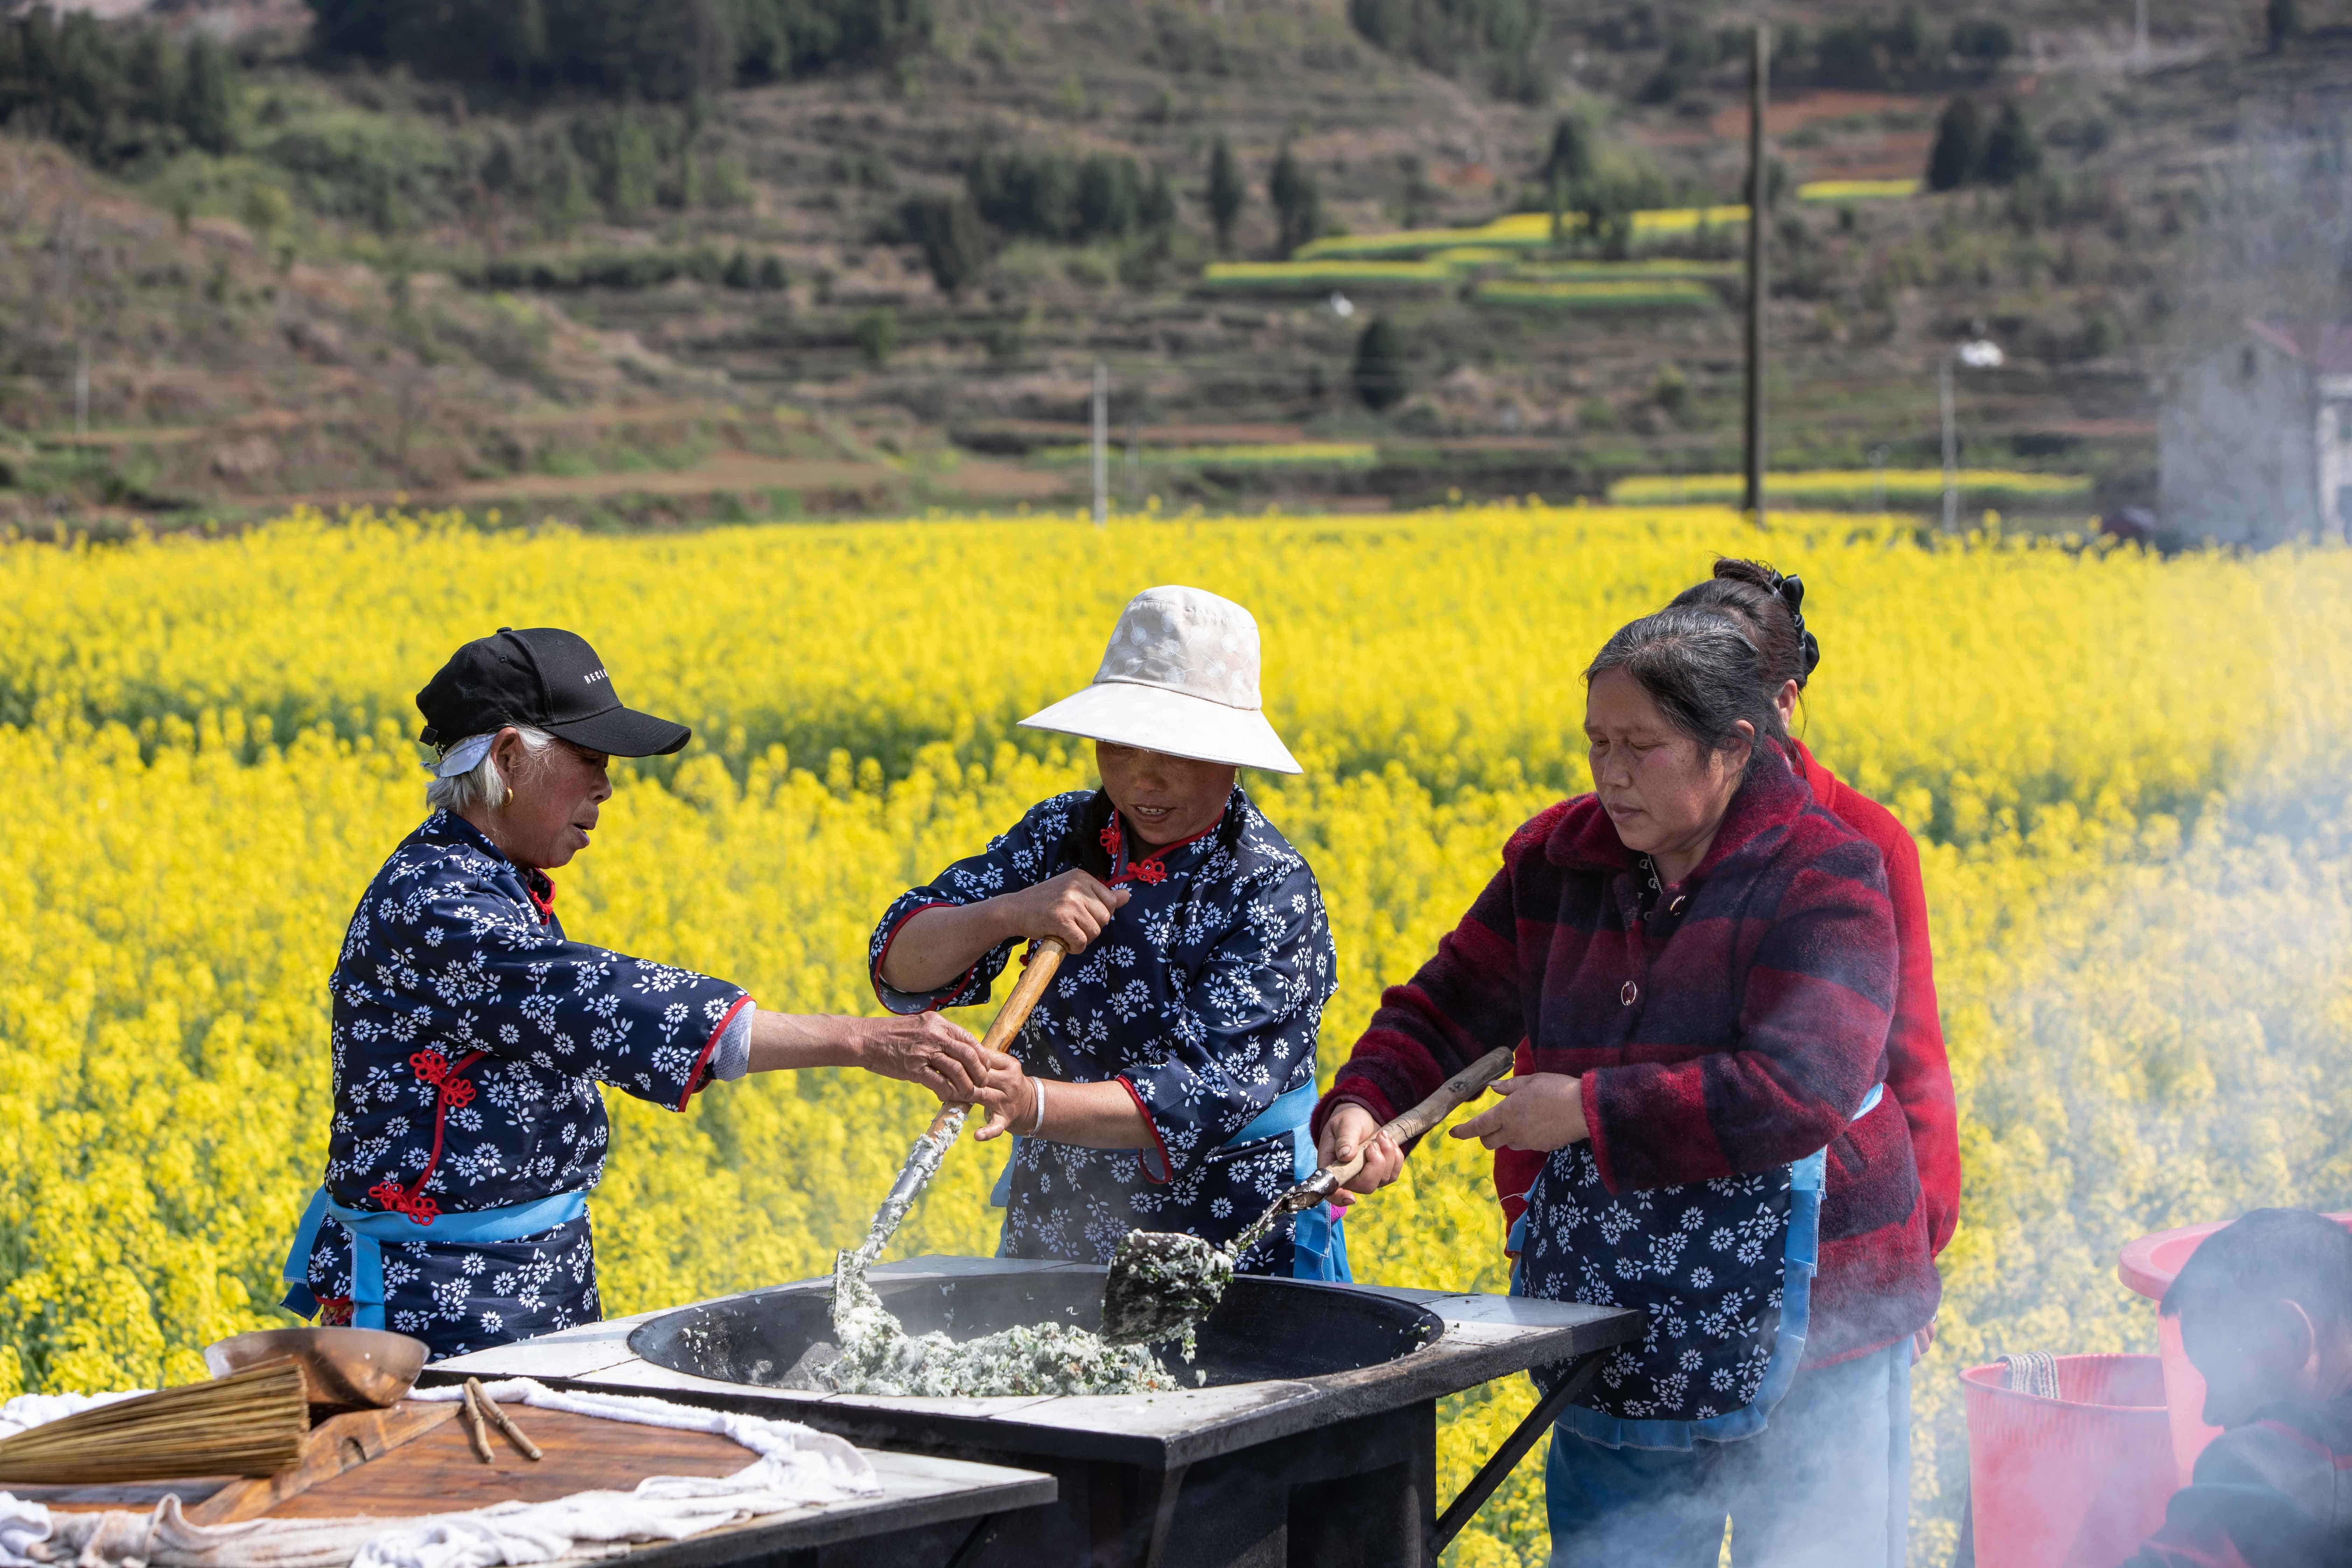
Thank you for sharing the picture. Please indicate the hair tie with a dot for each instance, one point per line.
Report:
(1792, 593)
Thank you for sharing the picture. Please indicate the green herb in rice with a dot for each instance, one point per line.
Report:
(879, 1357)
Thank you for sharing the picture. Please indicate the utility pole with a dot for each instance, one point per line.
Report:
(2139, 33)
(1102, 445)
(1952, 446)
(81, 387)
(1759, 66)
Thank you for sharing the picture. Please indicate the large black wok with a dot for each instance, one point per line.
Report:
(1264, 1329)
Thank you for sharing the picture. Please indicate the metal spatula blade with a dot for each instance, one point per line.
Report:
(1160, 1284)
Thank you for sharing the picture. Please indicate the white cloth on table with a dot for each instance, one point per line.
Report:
(30, 1410)
(797, 1466)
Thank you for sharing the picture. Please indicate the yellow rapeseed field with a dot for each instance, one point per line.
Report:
(2127, 773)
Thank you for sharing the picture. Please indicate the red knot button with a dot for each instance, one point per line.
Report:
(1629, 994)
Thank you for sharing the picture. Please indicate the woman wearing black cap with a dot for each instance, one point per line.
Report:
(469, 1036)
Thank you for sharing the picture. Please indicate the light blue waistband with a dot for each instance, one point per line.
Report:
(371, 1229)
(1808, 1174)
(1288, 1113)
(1320, 1251)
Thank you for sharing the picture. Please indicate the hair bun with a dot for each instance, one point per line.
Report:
(1732, 568)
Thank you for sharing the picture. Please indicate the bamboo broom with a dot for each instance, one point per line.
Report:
(250, 1423)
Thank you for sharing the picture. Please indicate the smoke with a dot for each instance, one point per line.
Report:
(2174, 1046)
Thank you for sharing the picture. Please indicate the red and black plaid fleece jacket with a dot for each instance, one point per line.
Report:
(1917, 1074)
(1734, 1028)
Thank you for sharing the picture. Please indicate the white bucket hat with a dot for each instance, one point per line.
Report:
(1180, 677)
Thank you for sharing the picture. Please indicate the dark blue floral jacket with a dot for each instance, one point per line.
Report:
(470, 1039)
(1204, 995)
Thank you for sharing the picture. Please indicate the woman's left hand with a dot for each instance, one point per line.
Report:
(1014, 1103)
(1541, 1111)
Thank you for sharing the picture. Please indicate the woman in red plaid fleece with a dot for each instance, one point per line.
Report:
(1704, 963)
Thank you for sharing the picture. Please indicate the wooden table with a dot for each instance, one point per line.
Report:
(929, 1511)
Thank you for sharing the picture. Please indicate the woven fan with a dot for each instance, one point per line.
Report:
(250, 1423)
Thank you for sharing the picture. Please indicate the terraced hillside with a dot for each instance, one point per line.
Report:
(392, 285)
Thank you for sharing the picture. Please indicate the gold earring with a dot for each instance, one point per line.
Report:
(509, 799)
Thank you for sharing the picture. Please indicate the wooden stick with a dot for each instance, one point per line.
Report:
(1044, 958)
(500, 1420)
(1462, 1085)
(477, 1431)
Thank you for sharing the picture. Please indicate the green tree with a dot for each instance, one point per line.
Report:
(876, 336)
(1570, 158)
(2012, 149)
(1297, 204)
(1906, 40)
(156, 75)
(266, 210)
(1157, 206)
(2285, 19)
(1110, 194)
(1985, 42)
(1226, 193)
(1957, 155)
(628, 165)
(955, 242)
(208, 102)
(1379, 369)
(561, 188)
(1848, 56)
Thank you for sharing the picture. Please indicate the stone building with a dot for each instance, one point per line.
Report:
(2254, 446)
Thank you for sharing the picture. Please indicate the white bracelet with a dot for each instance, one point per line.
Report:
(1037, 1123)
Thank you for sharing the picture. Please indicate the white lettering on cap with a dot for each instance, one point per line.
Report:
(592, 679)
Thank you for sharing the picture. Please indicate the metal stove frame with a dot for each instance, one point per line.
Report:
(1337, 1470)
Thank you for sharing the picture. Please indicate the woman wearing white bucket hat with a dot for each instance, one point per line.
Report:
(1172, 1063)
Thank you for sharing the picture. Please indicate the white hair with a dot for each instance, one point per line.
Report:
(482, 787)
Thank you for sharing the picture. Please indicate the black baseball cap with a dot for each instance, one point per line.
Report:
(548, 678)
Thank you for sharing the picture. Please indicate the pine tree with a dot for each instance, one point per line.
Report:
(1570, 159)
(1380, 370)
(955, 242)
(209, 97)
(1157, 206)
(2285, 20)
(1226, 194)
(1297, 204)
(2011, 152)
(1957, 156)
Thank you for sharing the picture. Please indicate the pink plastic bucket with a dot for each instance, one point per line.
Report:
(2149, 1265)
(2077, 1482)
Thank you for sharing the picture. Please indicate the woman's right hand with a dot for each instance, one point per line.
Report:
(1348, 1129)
(1074, 907)
(941, 1056)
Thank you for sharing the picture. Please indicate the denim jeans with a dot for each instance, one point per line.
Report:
(1826, 1485)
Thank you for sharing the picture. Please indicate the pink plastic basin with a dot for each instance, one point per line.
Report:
(2077, 1482)
(2149, 1265)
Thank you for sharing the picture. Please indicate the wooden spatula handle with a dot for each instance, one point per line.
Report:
(1043, 960)
(1470, 1081)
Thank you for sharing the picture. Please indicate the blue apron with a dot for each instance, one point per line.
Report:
(1319, 1246)
(371, 1229)
(1800, 1260)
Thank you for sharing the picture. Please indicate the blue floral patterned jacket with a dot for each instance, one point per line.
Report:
(1203, 996)
(470, 1039)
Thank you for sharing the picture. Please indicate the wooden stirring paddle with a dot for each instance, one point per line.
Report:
(923, 1163)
